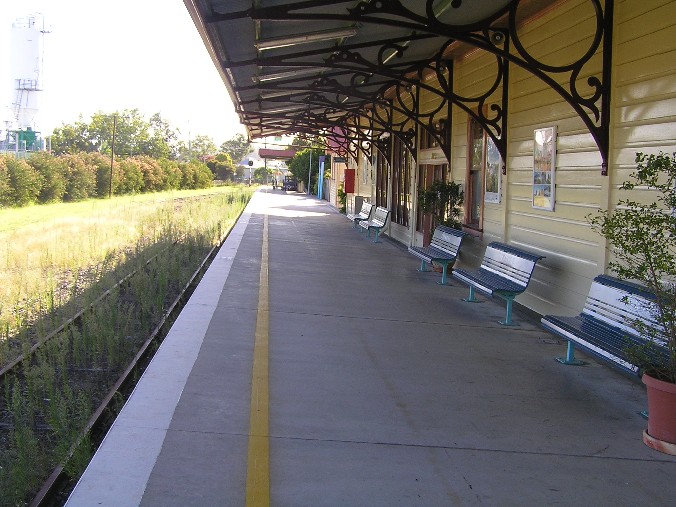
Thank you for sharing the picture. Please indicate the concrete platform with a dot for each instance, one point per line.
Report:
(385, 389)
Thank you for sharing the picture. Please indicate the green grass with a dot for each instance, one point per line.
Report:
(56, 260)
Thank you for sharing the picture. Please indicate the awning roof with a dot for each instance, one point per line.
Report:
(352, 69)
(292, 66)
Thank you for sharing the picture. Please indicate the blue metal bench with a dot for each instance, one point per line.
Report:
(505, 272)
(364, 214)
(605, 328)
(443, 249)
(377, 223)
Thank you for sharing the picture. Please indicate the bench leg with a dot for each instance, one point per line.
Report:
(508, 317)
(570, 356)
(377, 234)
(471, 298)
(423, 266)
(443, 274)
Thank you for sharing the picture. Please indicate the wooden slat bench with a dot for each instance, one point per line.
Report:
(377, 223)
(505, 272)
(605, 328)
(364, 214)
(443, 249)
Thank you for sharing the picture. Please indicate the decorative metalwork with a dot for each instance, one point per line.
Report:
(496, 34)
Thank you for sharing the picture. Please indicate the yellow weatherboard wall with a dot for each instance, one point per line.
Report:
(643, 118)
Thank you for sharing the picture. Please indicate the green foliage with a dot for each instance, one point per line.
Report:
(444, 201)
(342, 199)
(299, 165)
(53, 172)
(171, 179)
(21, 182)
(222, 167)
(131, 181)
(81, 178)
(45, 178)
(134, 135)
(642, 238)
(236, 148)
(202, 147)
(261, 174)
(195, 175)
(72, 139)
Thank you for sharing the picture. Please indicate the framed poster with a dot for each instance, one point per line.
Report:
(493, 172)
(544, 165)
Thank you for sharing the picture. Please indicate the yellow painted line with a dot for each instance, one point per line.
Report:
(258, 464)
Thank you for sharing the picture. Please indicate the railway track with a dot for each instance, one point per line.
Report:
(14, 375)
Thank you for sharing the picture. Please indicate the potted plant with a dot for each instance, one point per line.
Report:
(444, 201)
(342, 199)
(642, 238)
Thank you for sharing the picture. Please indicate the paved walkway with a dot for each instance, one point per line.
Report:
(376, 386)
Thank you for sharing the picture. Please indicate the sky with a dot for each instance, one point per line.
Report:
(126, 54)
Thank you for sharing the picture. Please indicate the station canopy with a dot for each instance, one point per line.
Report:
(353, 69)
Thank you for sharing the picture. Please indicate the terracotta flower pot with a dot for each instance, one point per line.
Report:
(661, 432)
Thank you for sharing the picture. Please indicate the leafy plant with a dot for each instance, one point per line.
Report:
(342, 199)
(444, 201)
(642, 236)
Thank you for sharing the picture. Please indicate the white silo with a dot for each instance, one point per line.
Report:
(26, 49)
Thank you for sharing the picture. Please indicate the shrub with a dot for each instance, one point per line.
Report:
(5, 189)
(24, 181)
(171, 174)
(204, 178)
(100, 164)
(195, 175)
(53, 171)
(80, 178)
(131, 181)
(151, 172)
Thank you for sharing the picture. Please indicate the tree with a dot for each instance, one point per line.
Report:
(299, 165)
(642, 236)
(262, 174)
(164, 138)
(71, 139)
(134, 135)
(304, 142)
(202, 147)
(222, 167)
(237, 148)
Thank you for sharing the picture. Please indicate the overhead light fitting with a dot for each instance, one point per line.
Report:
(281, 93)
(264, 78)
(282, 110)
(305, 38)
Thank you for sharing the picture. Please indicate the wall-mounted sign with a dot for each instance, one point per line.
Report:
(339, 160)
(544, 166)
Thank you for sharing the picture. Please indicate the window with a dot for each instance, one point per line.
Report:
(482, 153)
(401, 183)
(381, 179)
(428, 141)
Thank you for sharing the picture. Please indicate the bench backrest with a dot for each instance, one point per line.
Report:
(365, 211)
(447, 239)
(620, 304)
(509, 262)
(380, 216)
